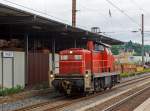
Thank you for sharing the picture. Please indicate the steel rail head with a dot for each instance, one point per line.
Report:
(110, 108)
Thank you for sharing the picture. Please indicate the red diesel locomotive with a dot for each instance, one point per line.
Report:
(85, 70)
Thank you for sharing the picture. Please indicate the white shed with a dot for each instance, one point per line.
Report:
(12, 68)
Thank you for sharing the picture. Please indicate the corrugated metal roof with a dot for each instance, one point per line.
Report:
(26, 22)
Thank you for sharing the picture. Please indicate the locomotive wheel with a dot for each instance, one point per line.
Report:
(105, 88)
(110, 87)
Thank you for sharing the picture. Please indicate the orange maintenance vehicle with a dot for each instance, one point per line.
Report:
(86, 70)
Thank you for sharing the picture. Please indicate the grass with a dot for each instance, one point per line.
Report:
(135, 73)
(9, 91)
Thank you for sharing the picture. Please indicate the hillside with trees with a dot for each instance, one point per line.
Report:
(130, 46)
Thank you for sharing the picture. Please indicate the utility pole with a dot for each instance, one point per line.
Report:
(142, 32)
(74, 13)
(74, 10)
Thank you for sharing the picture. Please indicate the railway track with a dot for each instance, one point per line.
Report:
(115, 106)
(23, 102)
(63, 102)
(24, 95)
(63, 106)
(42, 104)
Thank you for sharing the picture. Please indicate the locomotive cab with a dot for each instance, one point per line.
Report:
(75, 71)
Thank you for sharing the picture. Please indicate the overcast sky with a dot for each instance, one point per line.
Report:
(96, 13)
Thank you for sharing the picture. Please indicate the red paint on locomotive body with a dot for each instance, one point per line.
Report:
(74, 61)
(77, 61)
(108, 60)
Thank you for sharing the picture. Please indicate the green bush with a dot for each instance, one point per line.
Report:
(125, 74)
(8, 91)
(146, 70)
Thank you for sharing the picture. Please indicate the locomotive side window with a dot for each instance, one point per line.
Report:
(64, 57)
(96, 47)
(99, 47)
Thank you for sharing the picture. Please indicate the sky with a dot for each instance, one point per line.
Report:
(125, 15)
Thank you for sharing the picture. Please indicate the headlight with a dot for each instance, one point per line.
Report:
(86, 75)
(71, 52)
(51, 75)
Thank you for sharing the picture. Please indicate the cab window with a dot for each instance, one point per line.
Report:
(99, 47)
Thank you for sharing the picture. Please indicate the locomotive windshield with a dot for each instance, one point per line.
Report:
(70, 57)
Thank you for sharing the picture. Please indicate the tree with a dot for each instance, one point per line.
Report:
(115, 49)
(130, 46)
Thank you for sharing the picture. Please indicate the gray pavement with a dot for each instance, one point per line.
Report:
(145, 106)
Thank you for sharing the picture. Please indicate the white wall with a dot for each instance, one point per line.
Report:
(19, 68)
(7, 72)
(56, 62)
(13, 66)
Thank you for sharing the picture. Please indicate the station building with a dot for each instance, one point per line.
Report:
(30, 45)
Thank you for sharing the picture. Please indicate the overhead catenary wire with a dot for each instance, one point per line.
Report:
(94, 10)
(103, 15)
(112, 32)
(122, 11)
(139, 7)
(41, 12)
(63, 19)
